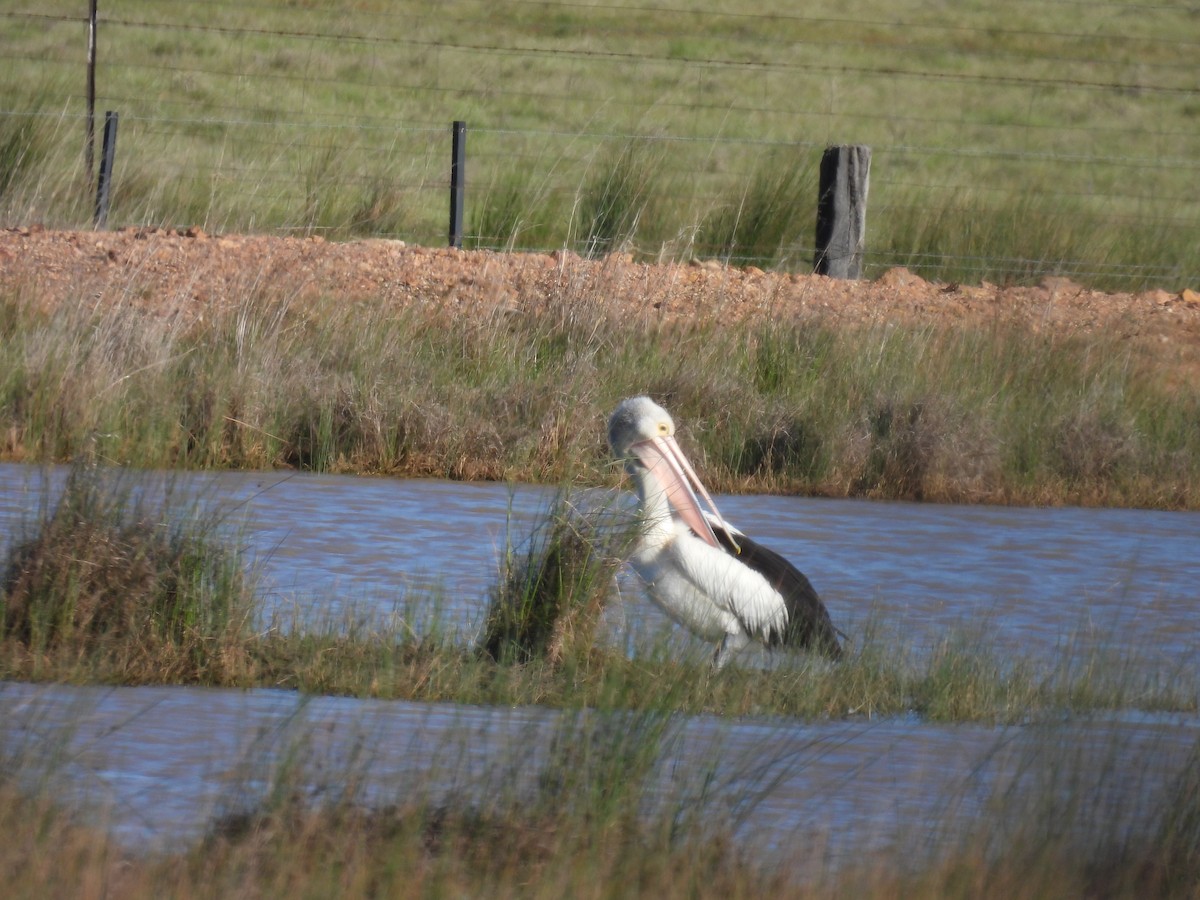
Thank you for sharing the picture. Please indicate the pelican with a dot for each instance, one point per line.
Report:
(705, 574)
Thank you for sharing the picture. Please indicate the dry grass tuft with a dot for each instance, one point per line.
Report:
(552, 593)
(106, 574)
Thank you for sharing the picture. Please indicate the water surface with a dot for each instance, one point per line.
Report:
(163, 762)
(1034, 580)
(159, 764)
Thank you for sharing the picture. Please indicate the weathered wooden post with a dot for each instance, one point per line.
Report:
(842, 211)
(458, 169)
(104, 185)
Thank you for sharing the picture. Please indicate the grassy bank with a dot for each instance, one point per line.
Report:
(954, 681)
(990, 414)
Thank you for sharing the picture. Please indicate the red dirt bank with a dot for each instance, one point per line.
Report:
(188, 272)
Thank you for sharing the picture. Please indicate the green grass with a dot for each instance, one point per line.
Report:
(1008, 143)
(957, 680)
(918, 412)
(107, 581)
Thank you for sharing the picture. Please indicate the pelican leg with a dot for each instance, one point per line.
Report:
(729, 647)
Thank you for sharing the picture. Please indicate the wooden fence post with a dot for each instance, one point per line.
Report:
(106, 167)
(458, 168)
(842, 211)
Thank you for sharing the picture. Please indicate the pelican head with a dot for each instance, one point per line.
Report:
(635, 421)
(641, 434)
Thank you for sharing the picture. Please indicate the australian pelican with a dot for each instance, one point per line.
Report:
(703, 572)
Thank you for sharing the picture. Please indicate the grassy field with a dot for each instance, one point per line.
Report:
(1008, 142)
(1017, 140)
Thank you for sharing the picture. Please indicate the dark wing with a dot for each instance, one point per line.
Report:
(809, 624)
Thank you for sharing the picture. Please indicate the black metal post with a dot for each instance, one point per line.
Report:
(106, 168)
(90, 139)
(458, 170)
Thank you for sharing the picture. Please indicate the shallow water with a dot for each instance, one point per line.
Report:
(159, 764)
(1030, 579)
(163, 762)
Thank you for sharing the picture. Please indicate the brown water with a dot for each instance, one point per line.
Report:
(163, 761)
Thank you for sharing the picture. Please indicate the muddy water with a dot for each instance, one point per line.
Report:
(163, 761)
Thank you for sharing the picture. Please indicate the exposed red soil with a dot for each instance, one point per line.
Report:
(189, 273)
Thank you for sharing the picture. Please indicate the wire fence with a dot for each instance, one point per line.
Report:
(1033, 137)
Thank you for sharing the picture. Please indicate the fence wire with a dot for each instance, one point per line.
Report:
(1051, 137)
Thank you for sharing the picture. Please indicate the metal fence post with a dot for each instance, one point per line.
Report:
(106, 168)
(842, 211)
(89, 148)
(458, 168)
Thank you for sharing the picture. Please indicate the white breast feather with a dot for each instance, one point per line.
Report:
(708, 589)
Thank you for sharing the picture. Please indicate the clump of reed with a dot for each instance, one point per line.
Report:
(516, 213)
(766, 224)
(939, 414)
(106, 574)
(24, 146)
(554, 586)
(615, 197)
(40, 175)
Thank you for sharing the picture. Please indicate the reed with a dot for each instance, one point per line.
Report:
(768, 221)
(552, 591)
(616, 198)
(107, 581)
(24, 147)
(918, 412)
(517, 212)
